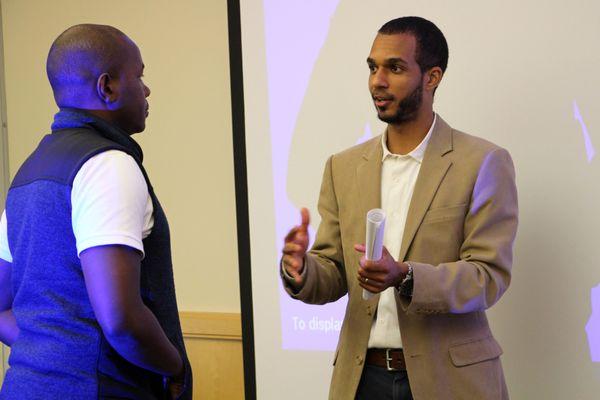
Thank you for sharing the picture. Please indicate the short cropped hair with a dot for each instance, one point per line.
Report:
(81, 53)
(432, 48)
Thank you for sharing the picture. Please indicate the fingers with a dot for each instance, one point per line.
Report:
(370, 285)
(361, 248)
(295, 245)
(175, 390)
(293, 266)
(382, 265)
(293, 249)
(291, 234)
(293, 262)
(375, 278)
(297, 236)
(299, 233)
(374, 266)
(305, 216)
(293, 273)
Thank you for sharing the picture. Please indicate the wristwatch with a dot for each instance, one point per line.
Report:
(405, 288)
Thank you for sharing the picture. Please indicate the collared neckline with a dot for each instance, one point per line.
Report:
(417, 153)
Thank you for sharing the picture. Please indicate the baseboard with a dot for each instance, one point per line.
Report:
(211, 325)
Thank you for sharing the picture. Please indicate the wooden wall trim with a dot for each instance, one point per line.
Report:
(211, 325)
(214, 347)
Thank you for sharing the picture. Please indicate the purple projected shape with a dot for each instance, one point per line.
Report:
(368, 135)
(295, 31)
(592, 327)
(589, 147)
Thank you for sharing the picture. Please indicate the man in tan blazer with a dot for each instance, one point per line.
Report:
(451, 206)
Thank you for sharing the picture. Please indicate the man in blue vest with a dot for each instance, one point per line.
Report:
(87, 301)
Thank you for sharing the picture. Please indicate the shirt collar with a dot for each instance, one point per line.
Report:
(417, 153)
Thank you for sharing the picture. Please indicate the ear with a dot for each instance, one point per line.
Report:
(107, 89)
(433, 78)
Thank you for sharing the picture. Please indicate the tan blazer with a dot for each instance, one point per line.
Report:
(459, 236)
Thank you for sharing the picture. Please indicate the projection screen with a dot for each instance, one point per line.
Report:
(522, 74)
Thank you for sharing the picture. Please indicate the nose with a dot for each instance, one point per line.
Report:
(146, 90)
(379, 78)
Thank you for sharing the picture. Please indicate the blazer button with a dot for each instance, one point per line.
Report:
(359, 360)
(369, 310)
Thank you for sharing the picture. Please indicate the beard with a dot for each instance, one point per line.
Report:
(408, 108)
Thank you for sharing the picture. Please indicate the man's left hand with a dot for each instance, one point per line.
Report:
(175, 389)
(176, 385)
(376, 276)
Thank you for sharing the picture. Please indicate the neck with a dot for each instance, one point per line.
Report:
(90, 106)
(102, 114)
(105, 115)
(72, 118)
(404, 137)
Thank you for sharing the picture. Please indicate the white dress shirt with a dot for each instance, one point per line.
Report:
(398, 177)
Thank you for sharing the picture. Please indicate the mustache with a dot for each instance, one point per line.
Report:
(381, 96)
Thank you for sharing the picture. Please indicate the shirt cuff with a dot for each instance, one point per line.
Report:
(108, 240)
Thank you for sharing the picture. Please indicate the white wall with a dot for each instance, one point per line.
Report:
(187, 143)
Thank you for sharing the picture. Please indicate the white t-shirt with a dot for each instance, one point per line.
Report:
(110, 205)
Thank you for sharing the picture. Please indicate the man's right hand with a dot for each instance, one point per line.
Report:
(294, 249)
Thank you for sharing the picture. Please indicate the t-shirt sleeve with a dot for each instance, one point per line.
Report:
(110, 202)
(4, 249)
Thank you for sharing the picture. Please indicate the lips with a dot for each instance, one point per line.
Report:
(382, 101)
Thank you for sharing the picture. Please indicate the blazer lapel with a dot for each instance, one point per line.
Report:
(368, 175)
(432, 172)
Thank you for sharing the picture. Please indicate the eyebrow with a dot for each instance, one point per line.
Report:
(389, 61)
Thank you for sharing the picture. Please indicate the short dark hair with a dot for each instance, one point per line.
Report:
(432, 48)
(81, 53)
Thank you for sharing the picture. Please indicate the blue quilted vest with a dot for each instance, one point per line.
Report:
(61, 352)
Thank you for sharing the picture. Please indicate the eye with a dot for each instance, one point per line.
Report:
(372, 68)
(395, 68)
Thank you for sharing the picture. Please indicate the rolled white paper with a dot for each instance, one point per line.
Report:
(374, 242)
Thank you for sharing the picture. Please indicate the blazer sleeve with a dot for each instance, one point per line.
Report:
(482, 274)
(325, 280)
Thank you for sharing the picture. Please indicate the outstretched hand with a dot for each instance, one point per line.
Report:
(295, 246)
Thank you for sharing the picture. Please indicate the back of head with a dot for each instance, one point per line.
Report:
(432, 48)
(78, 56)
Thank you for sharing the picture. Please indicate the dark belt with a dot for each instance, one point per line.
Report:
(391, 359)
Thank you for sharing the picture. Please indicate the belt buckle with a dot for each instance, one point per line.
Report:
(388, 358)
